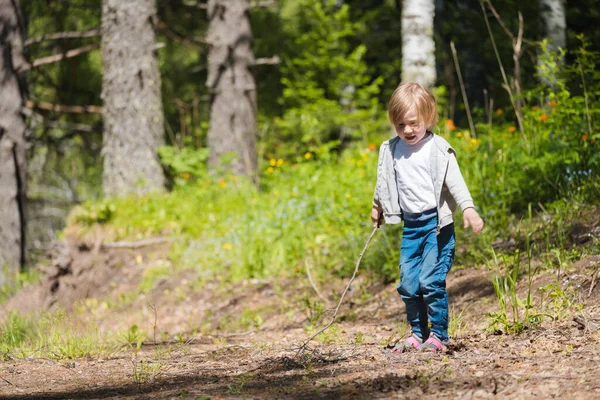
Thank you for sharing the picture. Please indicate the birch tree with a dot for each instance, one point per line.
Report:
(12, 142)
(554, 27)
(418, 47)
(133, 112)
(554, 22)
(232, 129)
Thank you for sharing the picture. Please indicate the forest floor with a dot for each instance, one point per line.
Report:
(219, 340)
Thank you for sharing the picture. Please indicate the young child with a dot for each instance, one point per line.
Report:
(419, 182)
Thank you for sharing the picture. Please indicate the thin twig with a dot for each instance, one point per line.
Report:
(268, 60)
(504, 78)
(44, 105)
(310, 279)
(305, 344)
(135, 245)
(57, 57)
(6, 381)
(463, 90)
(63, 35)
(587, 109)
(593, 282)
(264, 3)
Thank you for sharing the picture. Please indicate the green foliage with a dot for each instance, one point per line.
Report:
(91, 213)
(328, 94)
(184, 166)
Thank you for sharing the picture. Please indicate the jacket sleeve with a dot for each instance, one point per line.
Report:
(456, 184)
(377, 192)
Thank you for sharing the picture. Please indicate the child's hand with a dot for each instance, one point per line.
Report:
(471, 218)
(376, 217)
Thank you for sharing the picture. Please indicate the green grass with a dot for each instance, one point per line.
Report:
(52, 335)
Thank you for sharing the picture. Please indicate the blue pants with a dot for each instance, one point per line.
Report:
(425, 259)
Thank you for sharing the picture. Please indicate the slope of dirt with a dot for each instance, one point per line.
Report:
(241, 340)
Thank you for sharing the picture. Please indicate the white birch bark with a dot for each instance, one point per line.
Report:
(554, 22)
(418, 46)
(554, 28)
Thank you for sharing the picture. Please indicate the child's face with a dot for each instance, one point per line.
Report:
(411, 129)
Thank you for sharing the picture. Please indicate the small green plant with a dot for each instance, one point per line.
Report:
(133, 338)
(456, 324)
(358, 339)
(145, 372)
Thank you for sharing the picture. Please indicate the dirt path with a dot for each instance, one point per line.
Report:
(553, 361)
(557, 359)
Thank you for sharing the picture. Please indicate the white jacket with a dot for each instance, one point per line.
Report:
(448, 183)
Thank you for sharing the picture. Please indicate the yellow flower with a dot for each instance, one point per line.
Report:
(459, 134)
(485, 155)
(505, 146)
(359, 163)
(276, 192)
(222, 183)
(348, 195)
(308, 155)
(270, 170)
(280, 162)
(227, 246)
(273, 162)
(474, 141)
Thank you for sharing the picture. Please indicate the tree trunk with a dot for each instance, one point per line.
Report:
(232, 131)
(418, 46)
(133, 112)
(554, 27)
(12, 143)
(554, 23)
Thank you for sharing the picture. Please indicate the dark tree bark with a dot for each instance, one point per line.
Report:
(232, 129)
(12, 142)
(133, 112)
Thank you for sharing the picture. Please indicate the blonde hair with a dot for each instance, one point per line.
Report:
(412, 94)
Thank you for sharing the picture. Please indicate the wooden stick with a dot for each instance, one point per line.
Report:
(310, 279)
(305, 344)
(61, 56)
(44, 105)
(265, 3)
(135, 245)
(268, 60)
(463, 90)
(63, 35)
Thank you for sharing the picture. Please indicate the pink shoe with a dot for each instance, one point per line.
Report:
(413, 342)
(432, 344)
